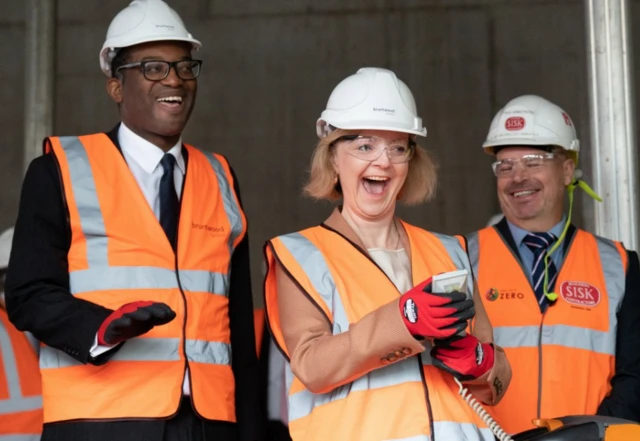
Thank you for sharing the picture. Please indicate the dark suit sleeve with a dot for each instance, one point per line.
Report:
(249, 412)
(624, 399)
(37, 287)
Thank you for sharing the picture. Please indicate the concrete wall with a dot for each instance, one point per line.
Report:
(269, 67)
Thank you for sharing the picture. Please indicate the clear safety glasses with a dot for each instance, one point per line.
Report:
(529, 163)
(369, 148)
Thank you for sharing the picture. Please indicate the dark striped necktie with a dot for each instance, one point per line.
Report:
(539, 243)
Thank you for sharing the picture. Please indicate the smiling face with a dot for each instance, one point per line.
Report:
(158, 111)
(533, 198)
(370, 188)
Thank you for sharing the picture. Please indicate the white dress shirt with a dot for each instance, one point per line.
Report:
(143, 159)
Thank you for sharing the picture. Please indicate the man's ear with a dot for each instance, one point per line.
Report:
(114, 89)
(568, 168)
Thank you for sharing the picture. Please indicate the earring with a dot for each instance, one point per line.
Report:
(335, 179)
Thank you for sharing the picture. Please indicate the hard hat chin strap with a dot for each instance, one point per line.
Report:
(552, 296)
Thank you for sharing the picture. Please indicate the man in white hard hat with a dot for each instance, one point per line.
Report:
(563, 302)
(21, 391)
(131, 260)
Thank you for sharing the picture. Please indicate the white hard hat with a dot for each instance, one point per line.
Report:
(141, 22)
(534, 121)
(5, 247)
(373, 99)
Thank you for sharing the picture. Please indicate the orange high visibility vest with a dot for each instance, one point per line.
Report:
(407, 400)
(20, 387)
(561, 360)
(119, 253)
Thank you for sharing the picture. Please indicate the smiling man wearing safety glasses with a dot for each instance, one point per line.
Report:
(564, 303)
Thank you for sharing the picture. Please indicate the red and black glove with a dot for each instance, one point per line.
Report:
(132, 320)
(428, 315)
(466, 358)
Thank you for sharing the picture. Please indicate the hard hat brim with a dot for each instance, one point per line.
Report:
(377, 125)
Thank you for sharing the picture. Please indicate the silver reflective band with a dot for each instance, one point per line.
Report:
(208, 352)
(86, 196)
(302, 403)
(459, 258)
(315, 267)
(473, 250)
(560, 335)
(449, 431)
(230, 206)
(20, 437)
(148, 349)
(145, 277)
(16, 401)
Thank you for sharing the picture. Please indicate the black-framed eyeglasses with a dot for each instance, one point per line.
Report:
(156, 70)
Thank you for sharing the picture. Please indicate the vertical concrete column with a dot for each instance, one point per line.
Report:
(612, 111)
(40, 75)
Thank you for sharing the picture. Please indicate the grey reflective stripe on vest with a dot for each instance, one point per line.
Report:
(16, 401)
(145, 277)
(301, 404)
(312, 261)
(102, 276)
(231, 208)
(562, 335)
(448, 431)
(20, 437)
(473, 251)
(148, 349)
(459, 258)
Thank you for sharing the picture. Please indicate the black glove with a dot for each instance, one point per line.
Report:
(133, 319)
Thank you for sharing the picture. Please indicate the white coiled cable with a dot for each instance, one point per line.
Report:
(482, 413)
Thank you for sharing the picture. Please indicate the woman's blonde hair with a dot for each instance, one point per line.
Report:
(420, 185)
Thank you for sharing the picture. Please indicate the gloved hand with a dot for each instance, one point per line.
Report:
(133, 319)
(432, 316)
(466, 358)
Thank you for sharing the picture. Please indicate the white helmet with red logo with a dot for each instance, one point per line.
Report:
(530, 120)
(373, 99)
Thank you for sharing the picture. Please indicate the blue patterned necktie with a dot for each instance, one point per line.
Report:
(169, 205)
(539, 243)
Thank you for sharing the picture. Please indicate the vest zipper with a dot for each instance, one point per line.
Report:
(540, 363)
(421, 366)
(187, 371)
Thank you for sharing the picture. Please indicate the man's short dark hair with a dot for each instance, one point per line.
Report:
(121, 58)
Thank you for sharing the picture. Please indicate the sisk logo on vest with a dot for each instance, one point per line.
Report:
(580, 293)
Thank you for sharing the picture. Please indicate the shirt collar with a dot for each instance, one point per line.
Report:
(144, 153)
(519, 234)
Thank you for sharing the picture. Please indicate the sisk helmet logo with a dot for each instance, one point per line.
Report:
(411, 311)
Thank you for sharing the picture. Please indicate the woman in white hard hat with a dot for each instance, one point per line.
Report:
(351, 303)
